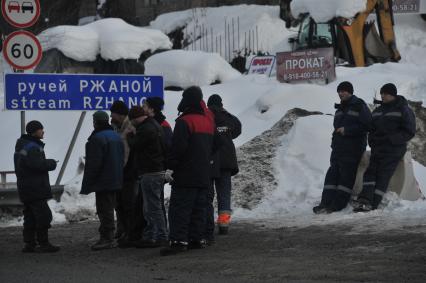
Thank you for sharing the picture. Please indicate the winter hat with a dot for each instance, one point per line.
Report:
(100, 116)
(155, 103)
(345, 86)
(389, 89)
(215, 100)
(119, 107)
(191, 97)
(33, 126)
(136, 112)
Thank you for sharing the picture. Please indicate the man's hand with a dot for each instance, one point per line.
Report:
(341, 131)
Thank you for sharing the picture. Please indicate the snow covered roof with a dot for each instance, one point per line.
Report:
(186, 68)
(325, 10)
(112, 38)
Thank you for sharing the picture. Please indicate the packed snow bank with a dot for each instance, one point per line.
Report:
(259, 24)
(301, 162)
(112, 38)
(186, 68)
(325, 10)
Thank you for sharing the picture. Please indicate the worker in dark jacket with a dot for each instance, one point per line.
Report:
(149, 150)
(31, 168)
(103, 175)
(352, 121)
(228, 128)
(153, 106)
(394, 124)
(189, 158)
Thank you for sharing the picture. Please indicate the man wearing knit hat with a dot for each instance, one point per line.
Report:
(126, 198)
(228, 127)
(394, 124)
(352, 121)
(103, 175)
(189, 158)
(149, 157)
(153, 107)
(31, 169)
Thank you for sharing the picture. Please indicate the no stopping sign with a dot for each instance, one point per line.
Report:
(22, 50)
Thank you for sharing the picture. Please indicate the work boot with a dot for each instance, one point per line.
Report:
(362, 205)
(223, 221)
(174, 248)
(29, 248)
(47, 248)
(196, 245)
(103, 244)
(321, 209)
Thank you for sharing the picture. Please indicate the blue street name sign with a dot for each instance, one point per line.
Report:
(78, 91)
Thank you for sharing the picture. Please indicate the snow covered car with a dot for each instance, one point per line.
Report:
(182, 69)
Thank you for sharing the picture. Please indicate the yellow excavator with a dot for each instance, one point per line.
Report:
(357, 41)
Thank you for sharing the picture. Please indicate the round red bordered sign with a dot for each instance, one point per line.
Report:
(21, 13)
(22, 50)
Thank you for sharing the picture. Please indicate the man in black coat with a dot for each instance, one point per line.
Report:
(189, 158)
(127, 211)
(31, 169)
(149, 156)
(153, 106)
(228, 127)
(352, 121)
(103, 175)
(394, 124)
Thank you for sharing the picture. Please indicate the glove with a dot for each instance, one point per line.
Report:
(168, 176)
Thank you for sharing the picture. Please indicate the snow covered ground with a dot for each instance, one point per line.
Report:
(302, 158)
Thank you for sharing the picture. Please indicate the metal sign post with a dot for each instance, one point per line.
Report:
(70, 148)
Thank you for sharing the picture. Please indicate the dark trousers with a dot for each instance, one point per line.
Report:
(37, 219)
(223, 187)
(377, 177)
(209, 235)
(105, 204)
(339, 180)
(126, 205)
(187, 214)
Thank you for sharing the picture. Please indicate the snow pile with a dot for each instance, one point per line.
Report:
(251, 27)
(325, 10)
(186, 68)
(301, 162)
(112, 38)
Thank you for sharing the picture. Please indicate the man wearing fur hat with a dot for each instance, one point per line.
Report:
(352, 121)
(103, 175)
(31, 168)
(394, 124)
(189, 158)
(126, 198)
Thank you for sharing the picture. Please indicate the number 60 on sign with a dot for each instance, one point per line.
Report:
(22, 50)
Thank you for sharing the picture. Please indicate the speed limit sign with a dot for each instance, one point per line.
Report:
(22, 50)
